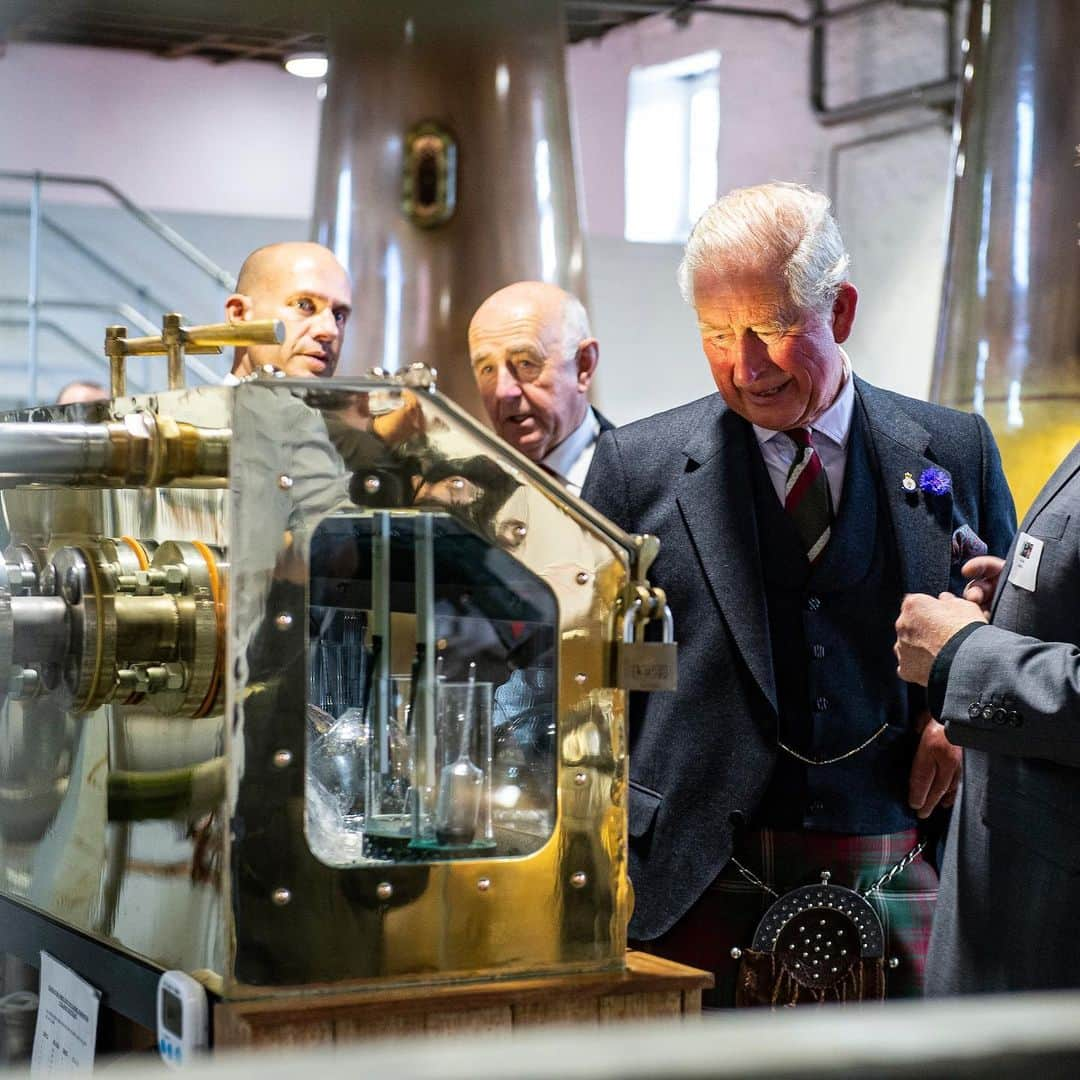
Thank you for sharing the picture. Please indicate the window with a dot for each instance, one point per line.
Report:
(672, 132)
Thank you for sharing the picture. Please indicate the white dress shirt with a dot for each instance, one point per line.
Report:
(570, 460)
(830, 433)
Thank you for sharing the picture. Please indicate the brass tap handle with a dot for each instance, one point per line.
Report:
(176, 339)
(115, 346)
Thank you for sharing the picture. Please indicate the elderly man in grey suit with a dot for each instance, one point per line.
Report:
(1003, 670)
(794, 510)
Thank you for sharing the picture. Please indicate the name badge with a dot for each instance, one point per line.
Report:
(1025, 564)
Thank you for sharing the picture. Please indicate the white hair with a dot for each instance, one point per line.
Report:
(777, 224)
(575, 325)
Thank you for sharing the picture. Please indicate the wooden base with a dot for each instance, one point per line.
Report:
(650, 987)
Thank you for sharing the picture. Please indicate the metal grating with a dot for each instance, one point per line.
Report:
(219, 32)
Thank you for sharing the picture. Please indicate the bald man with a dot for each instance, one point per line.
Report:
(534, 357)
(81, 391)
(304, 286)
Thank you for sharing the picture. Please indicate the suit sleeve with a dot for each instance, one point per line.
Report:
(605, 484)
(997, 524)
(1028, 693)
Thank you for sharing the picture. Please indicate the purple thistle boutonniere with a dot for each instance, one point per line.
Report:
(935, 481)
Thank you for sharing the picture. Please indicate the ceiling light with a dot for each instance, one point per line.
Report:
(307, 65)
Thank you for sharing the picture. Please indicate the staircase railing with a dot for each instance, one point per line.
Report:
(39, 222)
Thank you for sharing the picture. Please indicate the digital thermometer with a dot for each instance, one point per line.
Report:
(182, 1027)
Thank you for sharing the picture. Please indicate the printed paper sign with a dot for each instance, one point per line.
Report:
(66, 1031)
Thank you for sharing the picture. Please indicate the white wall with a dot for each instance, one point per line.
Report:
(186, 135)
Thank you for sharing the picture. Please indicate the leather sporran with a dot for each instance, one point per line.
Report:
(816, 944)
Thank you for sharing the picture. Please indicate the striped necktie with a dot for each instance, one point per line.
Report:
(806, 495)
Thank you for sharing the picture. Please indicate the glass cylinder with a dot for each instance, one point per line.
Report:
(463, 745)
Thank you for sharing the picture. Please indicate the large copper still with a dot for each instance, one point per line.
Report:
(1009, 338)
(445, 172)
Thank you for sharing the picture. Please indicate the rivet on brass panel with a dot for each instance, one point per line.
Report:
(582, 577)
(483, 884)
(282, 759)
(580, 778)
(281, 896)
(580, 678)
(384, 890)
(579, 879)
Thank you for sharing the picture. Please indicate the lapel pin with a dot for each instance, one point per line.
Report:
(908, 483)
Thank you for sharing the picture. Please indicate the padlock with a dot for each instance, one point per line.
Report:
(647, 665)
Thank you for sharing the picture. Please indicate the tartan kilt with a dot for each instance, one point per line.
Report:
(728, 912)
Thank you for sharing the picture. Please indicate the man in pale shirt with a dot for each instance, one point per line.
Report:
(794, 509)
(534, 358)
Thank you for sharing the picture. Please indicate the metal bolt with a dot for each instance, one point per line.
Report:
(72, 587)
(281, 896)
(284, 482)
(579, 879)
(175, 578)
(48, 581)
(582, 577)
(384, 890)
(580, 778)
(283, 620)
(372, 484)
(175, 676)
(282, 759)
(580, 678)
(736, 952)
(484, 884)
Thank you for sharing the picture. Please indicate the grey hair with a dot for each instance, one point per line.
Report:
(776, 224)
(575, 325)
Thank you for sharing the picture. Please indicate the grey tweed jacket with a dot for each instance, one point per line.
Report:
(1010, 887)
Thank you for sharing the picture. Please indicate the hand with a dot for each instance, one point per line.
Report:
(401, 424)
(982, 573)
(935, 772)
(925, 624)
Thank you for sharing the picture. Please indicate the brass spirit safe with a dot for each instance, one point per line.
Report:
(311, 683)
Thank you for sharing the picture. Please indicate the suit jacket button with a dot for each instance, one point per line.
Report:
(737, 819)
(1013, 718)
(1000, 716)
(975, 710)
(813, 602)
(988, 713)
(817, 806)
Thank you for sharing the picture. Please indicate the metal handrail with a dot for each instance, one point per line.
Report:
(151, 221)
(38, 221)
(126, 312)
(152, 301)
(64, 335)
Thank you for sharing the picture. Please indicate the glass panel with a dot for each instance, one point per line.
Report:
(431, 693)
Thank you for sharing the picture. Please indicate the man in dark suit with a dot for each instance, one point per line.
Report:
(1009, 693)
(794, 510)
(534, 357)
